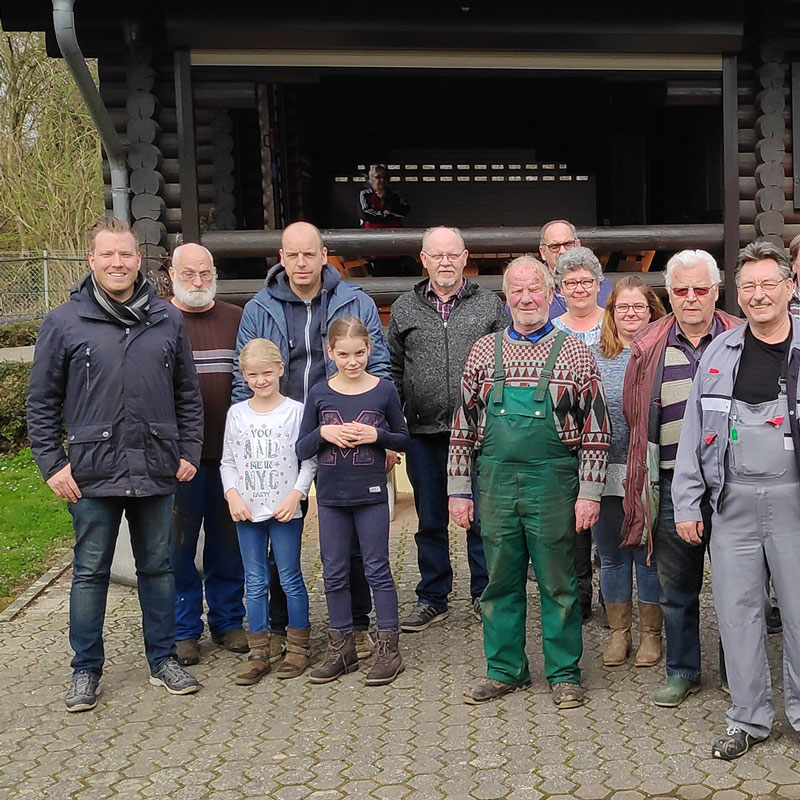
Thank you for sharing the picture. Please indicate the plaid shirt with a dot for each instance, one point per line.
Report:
(444, 307)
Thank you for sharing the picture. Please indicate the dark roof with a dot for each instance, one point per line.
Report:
(712, 26)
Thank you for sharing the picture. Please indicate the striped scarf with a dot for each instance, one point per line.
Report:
(132, 311)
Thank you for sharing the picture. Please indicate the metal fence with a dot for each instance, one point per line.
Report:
(33, 283)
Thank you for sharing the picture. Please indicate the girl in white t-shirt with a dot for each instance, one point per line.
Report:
(264, 484)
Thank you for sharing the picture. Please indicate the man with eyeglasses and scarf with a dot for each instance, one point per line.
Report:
(664, 360)
(115, 364)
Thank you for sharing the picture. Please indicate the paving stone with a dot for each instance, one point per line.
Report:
(413, 740)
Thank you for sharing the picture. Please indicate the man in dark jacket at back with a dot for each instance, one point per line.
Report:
(301, 297)
(115, 363)
(431, 331)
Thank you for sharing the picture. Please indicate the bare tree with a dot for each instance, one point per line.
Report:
(51, 184)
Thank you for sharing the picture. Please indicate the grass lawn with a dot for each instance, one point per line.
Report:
(35, 526)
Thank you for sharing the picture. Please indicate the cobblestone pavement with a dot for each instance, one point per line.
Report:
(415, 739)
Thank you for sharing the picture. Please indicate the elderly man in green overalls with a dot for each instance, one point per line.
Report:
(533, 421)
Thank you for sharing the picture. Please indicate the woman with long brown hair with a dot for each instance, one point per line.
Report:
(631, 305)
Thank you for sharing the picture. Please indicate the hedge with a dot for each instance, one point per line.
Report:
(14, 377)
(19, 334)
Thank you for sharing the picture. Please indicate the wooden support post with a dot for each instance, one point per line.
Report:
(187, 154)
(266, 156)
(730, 150)
(795, 102)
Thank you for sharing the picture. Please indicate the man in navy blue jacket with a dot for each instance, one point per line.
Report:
(301, 297)
(114, 363)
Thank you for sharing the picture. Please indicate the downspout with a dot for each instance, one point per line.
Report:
(64, 24)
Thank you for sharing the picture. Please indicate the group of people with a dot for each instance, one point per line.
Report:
(574, 408)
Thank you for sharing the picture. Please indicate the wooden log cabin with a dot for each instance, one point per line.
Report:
(671, 127)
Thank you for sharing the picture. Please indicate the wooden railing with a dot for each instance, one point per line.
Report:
(356, 242)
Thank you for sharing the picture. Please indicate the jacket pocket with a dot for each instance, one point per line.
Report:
(91, 451)
(162, 452)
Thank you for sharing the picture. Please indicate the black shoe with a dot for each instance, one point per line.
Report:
(774, 622)
(422, 617)
(476, 608)
(82, 693)
(733, 744)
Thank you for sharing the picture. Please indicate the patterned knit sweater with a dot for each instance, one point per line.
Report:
(579, 404)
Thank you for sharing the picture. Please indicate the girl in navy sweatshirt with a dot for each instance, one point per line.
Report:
(349, 423)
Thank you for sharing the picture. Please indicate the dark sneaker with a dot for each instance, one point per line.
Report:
(733, 744)
(774, 622)
(364, 644)
(422, 617)
(82, 693)
(234, 640)
(476, 608)
(490, 689)
(174, 678)
(567, 695)
(188, 652)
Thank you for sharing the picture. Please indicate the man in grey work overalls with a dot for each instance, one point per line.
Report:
(740, 442)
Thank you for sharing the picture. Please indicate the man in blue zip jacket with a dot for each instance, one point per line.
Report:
(115, 363)
(301, 297)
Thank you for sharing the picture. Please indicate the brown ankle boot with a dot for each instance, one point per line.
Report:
(298, 653)
(620, 644)
(388, 661)
(257, 664)
(341, 658)
(649, 652)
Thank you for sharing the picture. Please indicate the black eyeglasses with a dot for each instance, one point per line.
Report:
(584, 283)
(556, 246)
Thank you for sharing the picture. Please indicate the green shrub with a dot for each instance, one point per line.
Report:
(19, 334)
(14, 377)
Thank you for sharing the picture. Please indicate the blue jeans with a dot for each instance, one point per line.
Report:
(427, 471)
(680, 573)
(284, 538)
(338, 527)
(96, 521)
(617, 563)
(200, 501)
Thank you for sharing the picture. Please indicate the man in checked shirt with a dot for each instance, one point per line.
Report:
(431, 331)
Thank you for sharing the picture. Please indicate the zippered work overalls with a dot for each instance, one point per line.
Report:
(528, 485)
(758, 523)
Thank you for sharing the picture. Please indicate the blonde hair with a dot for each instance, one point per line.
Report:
(347, 326)
(610, 343)
(260, 350)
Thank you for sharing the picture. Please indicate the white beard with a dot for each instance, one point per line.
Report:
(194, 298)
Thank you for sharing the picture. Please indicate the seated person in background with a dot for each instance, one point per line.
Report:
(380, 207)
